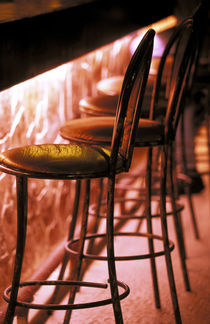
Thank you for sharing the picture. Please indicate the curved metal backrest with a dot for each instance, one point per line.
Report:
(182, 42)
(186, 42)
(130, 101)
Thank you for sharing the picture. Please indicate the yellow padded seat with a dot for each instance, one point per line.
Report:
(49, 160)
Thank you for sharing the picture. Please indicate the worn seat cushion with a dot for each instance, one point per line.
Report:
(51, 160)
(99, 105)
(98, 130)
(104, 105)
(112, 86)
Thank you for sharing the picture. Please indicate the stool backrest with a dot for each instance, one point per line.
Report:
(130, 101)
(185, 43)
(182, 44)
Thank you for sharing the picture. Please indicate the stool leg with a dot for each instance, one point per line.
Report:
(174, 197)
(193, 218)
(97, 214)
(110, 252)
(178, 227)
(22, 205)
(55, 294)
(75, 274)
(149, 227)
(164, 155)
(187, 187)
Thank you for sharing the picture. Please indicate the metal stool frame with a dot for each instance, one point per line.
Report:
(55, 161)
(183, 37)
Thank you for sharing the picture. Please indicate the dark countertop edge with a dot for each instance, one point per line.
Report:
(34, 45)
(30, 15)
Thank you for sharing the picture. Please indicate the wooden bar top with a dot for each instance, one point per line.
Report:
(11, 10)
(39, 35)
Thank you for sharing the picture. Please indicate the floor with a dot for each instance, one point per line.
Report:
(139, 306)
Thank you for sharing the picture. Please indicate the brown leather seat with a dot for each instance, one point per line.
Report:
(112, 86)
(103, 105)
(109, 89)
(95, 130)
(52, 160)
(100, 105)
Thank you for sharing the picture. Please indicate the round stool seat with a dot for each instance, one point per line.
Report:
(95, 130)
(99, 105)
(49, 160)
(112, 86)
(105, 103)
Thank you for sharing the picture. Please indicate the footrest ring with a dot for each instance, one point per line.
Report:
(69, 247)
(103, 302)
(130, 215)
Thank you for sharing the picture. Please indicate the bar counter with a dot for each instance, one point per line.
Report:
(37, 36)
(38, 39)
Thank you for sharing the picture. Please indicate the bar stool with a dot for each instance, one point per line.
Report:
(200, 76)
(111, 87)
(75, 162)
(105, 104)
(151, 133)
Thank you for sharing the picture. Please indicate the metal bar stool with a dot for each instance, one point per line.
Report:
(151, 133)
(76, 162)
(108, 92)
(187, 129)
(109, 89)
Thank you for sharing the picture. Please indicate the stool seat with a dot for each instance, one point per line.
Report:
(105, 105)
(95, 130)
(99, 105)
(112, 86)
(49, 160)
